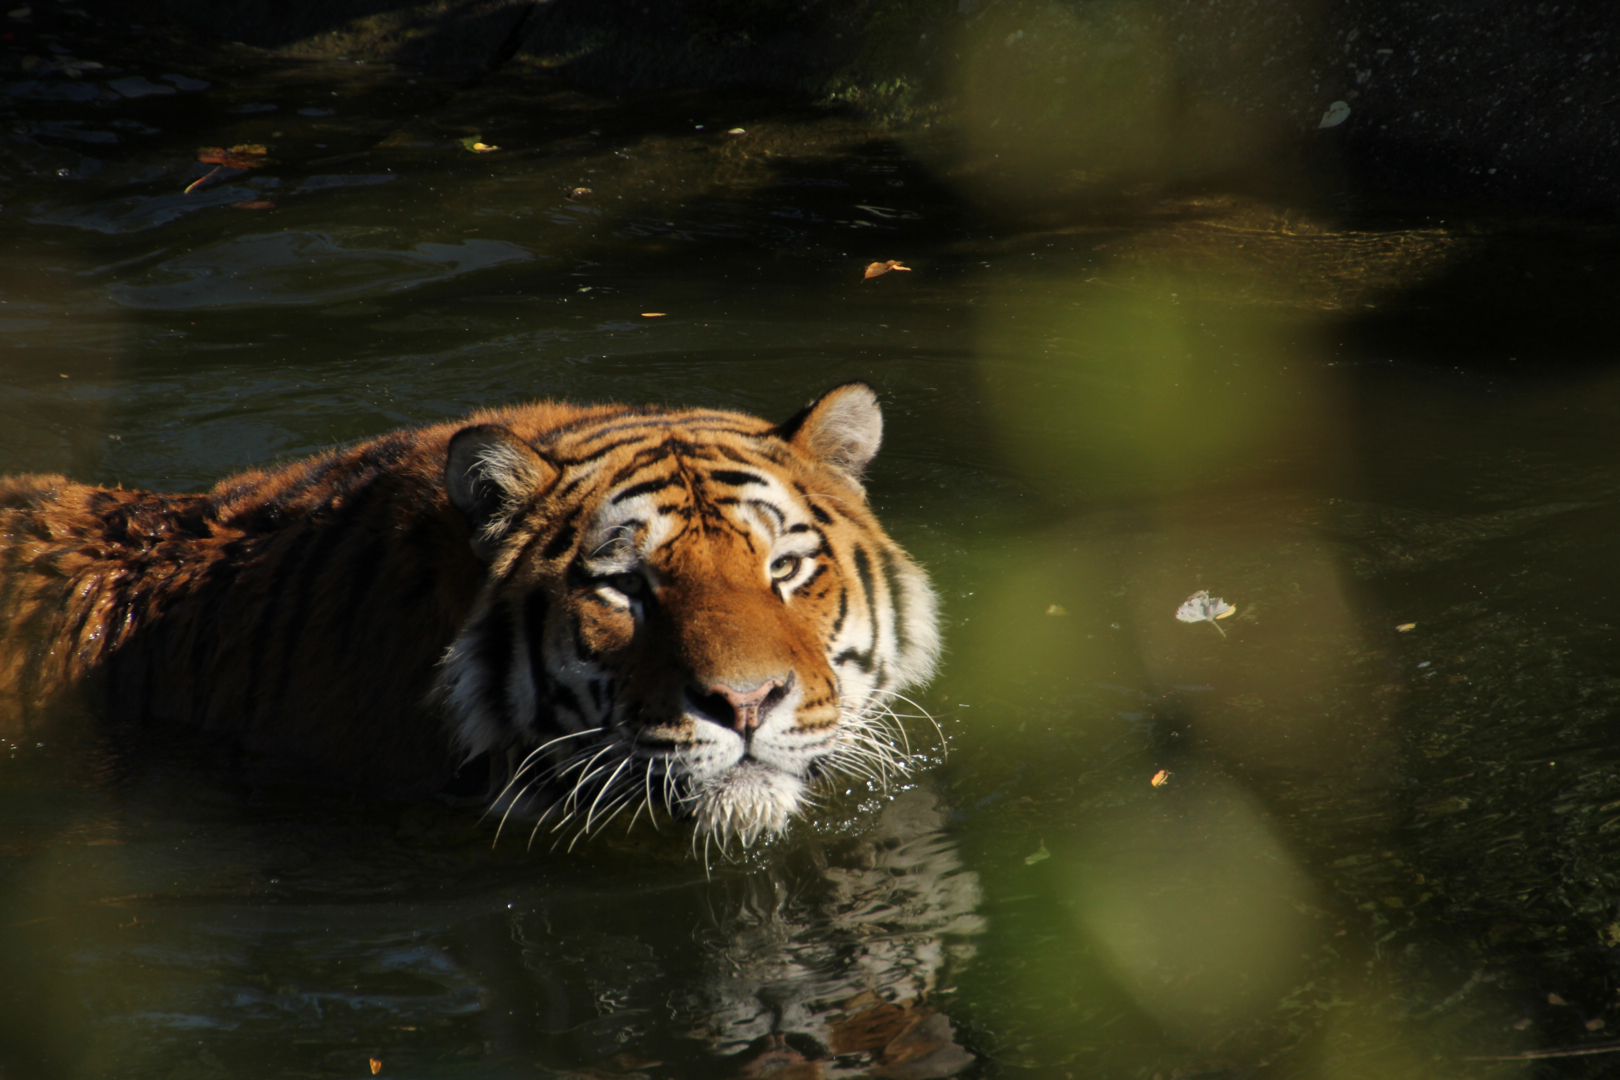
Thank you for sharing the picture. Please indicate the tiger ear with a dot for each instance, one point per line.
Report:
(842, 428)
(490, 473)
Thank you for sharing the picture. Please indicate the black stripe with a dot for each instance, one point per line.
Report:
(662, 423)
(582, 652)
(360, 575)
(762, 506)
(737, 478)
(583, 423)
(733, 454)
(599, 452)
(536, 608)
(641, 460)
(646, 487)
(560, 543)
(892, 579)
(331, 533)
(863, 571)
(267, 626)
(820, 569)
(815, 509)
(315, 472)
(843, 611)
(862, 659)
(492, 653)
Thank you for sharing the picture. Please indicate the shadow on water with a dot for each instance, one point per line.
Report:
(1381, 838)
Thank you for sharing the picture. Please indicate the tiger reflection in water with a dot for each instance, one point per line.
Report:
(825, 959)
(844, 980)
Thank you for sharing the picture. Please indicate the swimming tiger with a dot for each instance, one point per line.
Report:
(574, 610)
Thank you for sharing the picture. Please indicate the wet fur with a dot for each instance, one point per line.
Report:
(347, 610)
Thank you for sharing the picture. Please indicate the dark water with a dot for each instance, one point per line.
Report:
(1385, 845)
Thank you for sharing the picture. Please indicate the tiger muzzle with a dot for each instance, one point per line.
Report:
(743, 709)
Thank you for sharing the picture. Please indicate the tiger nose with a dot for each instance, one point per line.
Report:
(748, 707)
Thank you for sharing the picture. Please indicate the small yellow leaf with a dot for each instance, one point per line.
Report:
(877, 269)
(1057, 609)
(376, 1066)
(1232, 610)
(1040, 853)
(1161, 778)
(652, 314)
(1405, 626)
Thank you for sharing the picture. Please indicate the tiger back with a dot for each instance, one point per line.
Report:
(610, 608)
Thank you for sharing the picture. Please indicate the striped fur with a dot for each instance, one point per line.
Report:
(672, 611)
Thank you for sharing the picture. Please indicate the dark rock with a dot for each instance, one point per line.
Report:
(1483, 101)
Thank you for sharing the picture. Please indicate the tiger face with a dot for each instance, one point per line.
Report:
(691, 612)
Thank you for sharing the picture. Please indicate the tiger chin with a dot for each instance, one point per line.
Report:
(578, 611)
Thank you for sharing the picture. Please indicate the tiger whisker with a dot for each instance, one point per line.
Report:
(572, 799)
(646, 803)
(607, 786)
(539, 821)
(924, 714)
(517, 775)
(619, 804)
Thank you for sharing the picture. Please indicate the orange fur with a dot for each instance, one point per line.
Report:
(309, 610)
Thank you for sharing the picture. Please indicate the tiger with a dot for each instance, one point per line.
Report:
(559, 611)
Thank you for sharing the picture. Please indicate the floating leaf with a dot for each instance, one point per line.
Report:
(652, 314)
(1337, 113)
(240, 156)
(878, 269)
(1160, 778)
(255, 204)
(1040, 853)
(476, 145)
(1405, 626)
(1201, 607)
(579, 193)
(376, 1066)
(1057, 609)
(1554, 999)
(200, 181)
(736, 131)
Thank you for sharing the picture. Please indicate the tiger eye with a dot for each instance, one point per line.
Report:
(631, 584)
(785, 567)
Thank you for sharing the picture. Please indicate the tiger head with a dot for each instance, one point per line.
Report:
(685, 611)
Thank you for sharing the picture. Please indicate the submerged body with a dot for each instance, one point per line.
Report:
(610, 606)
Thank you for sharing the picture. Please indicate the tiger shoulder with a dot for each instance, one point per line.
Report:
(593, 611)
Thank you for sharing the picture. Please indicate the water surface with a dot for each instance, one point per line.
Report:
(1383, 840)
